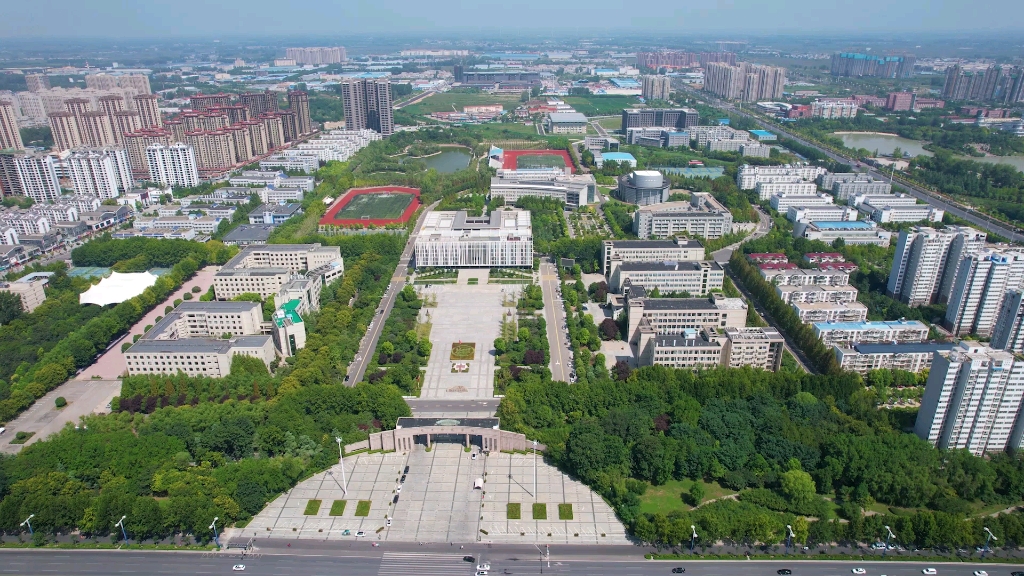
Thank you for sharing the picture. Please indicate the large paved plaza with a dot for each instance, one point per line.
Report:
(468, 314)
(438, 503)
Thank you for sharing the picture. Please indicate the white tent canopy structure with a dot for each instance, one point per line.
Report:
(117, 288)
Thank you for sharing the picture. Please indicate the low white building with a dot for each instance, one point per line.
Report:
(696, 278)
(827, 213)
(503, 238)
(196, 356)
(805, 277)
(567, 123)
(830, 312)
(573, 190)
(849, 232)
(844, 334)
(677, 249)
(702, 216)
(781, 202)
(748, 176)
(792, 186)
(810, 294)
(862, 358)
(915, 213)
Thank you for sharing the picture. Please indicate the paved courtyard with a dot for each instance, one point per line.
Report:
(83, 397)
(467, 314)
(438, 502)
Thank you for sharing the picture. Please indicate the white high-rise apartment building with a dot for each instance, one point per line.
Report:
(982, 281)
(10, 136)
(656, 87)
(316, 55)
(31, 174)
(972, 399)
(173, 165)
(102, 172)
(1009, 330)
(926, 262)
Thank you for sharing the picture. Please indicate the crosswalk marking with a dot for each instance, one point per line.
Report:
(404, 564)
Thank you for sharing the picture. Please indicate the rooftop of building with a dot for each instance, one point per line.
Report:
(693, 303)
(684, 341)
(497, 221)
(871, 324)
(655, 244)
(829, 305)
(574, 117)
(911, 348)
(197, 345)
(752, 333)
(288, 311)
(250, 233)
(289, 209)
(668, 266)
(617, 156)
(406, 422)
(830, 225)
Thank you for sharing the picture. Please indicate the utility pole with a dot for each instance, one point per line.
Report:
(341, 463)
(990, 536)
(534, 468)
(213, 526)
(29, 522)
(888, 537)
(789, 537)
(693, 538)
(123, 532)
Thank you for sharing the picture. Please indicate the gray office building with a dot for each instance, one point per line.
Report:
(679, 118)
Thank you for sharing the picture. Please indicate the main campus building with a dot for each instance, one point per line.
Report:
(503, 238)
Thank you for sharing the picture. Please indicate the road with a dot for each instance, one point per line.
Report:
(940, 201)
(600, 129)
(368, 345)
(554, 314)
(415, 100)
(764, 226)
(442, 561)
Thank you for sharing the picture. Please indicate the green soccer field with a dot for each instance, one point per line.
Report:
(375, 206)
(528, 161)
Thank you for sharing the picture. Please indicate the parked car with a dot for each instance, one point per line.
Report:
(406, 470)
(929, 571)
(859, 571)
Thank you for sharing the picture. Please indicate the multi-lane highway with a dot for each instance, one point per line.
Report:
(444, 561)
(368, 344)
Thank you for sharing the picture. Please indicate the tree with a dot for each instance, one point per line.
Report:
(500, 346)
(609, 329)
(10, 307)
(697, 493)
(387, 347)
(798, 486)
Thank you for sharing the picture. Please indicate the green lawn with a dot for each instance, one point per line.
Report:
(611, 123)
(540, 511)
(666, 497)
(382, 206)
(514, 510)
(504, 131)
(463, 351)
(338, 507)
(565, 511)
(444, 102)
(534, 161)
(600, 105)
(312, 507)
(363, 508)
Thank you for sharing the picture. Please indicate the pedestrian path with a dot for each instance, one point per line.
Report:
(403, 564)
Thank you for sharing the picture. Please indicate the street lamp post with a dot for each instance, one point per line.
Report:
(990, 536)
(28, 521)
(889, 535)
(534, 468)
(213, 526)
(123, 532)
(789, 537)
(341, 463)
(693, 538)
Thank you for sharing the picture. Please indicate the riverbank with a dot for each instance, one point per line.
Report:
(872, 133)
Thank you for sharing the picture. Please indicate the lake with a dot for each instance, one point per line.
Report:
(448, 161)
(885, 144)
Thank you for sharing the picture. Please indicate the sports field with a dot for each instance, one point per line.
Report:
(375, 207)
(529, 161)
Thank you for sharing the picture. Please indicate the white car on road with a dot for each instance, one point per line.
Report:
(929, 571)
(859, 571)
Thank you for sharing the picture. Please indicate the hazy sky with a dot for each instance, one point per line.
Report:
(212, 18)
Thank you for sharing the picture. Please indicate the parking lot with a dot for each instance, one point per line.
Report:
(438, 502)
(44, 418)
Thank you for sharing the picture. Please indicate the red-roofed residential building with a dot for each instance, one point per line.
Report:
(768, 258)
(777, 266)
(819, 257)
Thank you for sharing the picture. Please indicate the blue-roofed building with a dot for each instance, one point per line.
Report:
(620, 157)
(625, 83)
(723, 121)
(862, 358)
(848, 333)
(850, 232)
(763, 135)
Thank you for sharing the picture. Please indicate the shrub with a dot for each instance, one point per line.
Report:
(187, 296)
(196, 289)
(60, 402)
(126, 346)
(167, 309)
(177, 302)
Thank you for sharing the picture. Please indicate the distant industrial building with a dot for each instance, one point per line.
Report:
(503, 238)
(854, 64)
(317, 55)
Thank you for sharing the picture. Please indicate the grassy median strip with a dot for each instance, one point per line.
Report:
(565, 511)
(514, 510)
(338, 507)
(363, 508)
(540, 511)
(312, 507)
